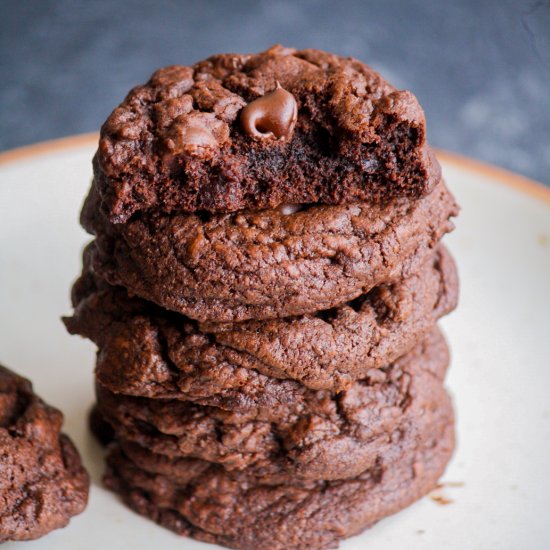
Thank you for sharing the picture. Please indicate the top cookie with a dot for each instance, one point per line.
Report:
(258, 131)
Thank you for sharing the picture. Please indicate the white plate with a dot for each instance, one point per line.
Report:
(499, 491)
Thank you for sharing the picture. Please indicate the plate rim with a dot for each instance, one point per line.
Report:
(500, 175)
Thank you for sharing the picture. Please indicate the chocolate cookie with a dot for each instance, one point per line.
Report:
(204, 501)
(261, 265)
(334, 436)
(42, 481)
(240, 132)
(148, 352)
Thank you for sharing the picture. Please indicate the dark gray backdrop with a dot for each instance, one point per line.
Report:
(480, 68)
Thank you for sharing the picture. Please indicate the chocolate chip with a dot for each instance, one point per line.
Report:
(194, 133)
(272, 116)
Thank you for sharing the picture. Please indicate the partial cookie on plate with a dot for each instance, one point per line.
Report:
(42, 480)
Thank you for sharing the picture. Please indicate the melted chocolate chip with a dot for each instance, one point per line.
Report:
(272, 116)
(194, 134)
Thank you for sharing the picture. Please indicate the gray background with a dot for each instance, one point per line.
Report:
(481, 69)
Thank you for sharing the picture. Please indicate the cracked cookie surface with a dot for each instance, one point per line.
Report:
(262, 265)
(42, 481)
(202, 500)
(332, 436)
(148, 352)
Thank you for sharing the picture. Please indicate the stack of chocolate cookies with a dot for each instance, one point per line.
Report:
(263, 288)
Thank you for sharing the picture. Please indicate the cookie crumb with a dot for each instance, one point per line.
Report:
(440, 499)
(453, 484)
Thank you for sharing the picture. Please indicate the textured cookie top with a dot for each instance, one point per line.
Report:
(257, 131)
(267, 264)
(149, 352)
(42, 481)
(335, 436)
(203, 500)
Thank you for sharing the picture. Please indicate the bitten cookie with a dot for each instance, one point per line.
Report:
(145, 351)
(256, 131)
(334, 436)
(42, 481)
(268, 264)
